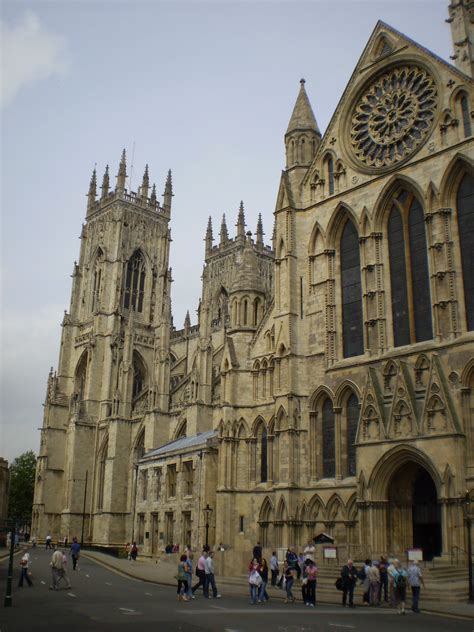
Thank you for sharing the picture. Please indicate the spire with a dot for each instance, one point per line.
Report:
(168, 194)
(302, 117)
(209, 237)
(145, 183)
(302, 136)
(153, 194)
(92, 190)
(187, 322)
(241, 222)
(122, 173)
(260, 232)
(224, 233)
(105, 183)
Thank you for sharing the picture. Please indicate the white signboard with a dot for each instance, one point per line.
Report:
(330, 553)
(415, 555)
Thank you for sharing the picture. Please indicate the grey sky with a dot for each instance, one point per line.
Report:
(205, 89)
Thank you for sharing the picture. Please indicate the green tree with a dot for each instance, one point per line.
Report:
(22, 487)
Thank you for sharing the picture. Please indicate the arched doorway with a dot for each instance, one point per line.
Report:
(414, 514)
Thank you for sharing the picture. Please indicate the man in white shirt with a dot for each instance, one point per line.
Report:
(210, 580)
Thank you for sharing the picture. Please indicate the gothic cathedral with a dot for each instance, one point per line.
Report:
(328, 384)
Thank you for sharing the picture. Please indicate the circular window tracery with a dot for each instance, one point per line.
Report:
(393, 116)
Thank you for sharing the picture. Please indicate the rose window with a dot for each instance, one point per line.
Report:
(393, 116)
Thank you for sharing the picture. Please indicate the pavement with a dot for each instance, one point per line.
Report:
(162, 572)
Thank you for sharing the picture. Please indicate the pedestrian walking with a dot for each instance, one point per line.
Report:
(182, 578)
(383, 566)
(274, 568)
(373, 575)
(24, 566)
(309, 551)
(289, 573)
(48, 541)
(349, 577)
(210, 577)
(262, 594)
(255, 580)
(201, 572)
(257, 551)
(58, 570)
(189, 573)
(400, 580)
(415, 579)
(134, 552)
(75, 552)
(391, 571)
(311, 572)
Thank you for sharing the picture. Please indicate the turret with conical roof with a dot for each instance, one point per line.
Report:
(145, 183)
(302, 136)
(259, 232)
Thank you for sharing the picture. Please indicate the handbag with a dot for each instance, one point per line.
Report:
(339, 584)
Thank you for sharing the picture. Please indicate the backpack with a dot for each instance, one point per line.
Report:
(400, 581)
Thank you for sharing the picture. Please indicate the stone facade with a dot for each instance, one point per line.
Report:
(329, 382)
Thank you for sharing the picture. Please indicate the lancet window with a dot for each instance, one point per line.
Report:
(134, 283)
(352, 324)
(329, 440)
(465, 212)
(411, 301)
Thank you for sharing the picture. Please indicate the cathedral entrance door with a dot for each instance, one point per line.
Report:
(426, 516)
(414, 516)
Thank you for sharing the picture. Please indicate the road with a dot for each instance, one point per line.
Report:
(102, 600)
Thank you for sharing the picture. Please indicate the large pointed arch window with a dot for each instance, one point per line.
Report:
(465, 208)
(411, 301)
(352, 325)
(264, 456)
(134, 283)
(352, 420)
(329, 440)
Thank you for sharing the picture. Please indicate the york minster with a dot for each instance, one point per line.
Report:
(328, 384)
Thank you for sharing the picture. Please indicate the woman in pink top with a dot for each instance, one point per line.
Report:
(311, 572)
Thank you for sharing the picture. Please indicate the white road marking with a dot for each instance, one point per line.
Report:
(88, 576)
(341, 625)
(43, 582)
(126, 609)
(108, 584)
(149, 594)
(71, 594)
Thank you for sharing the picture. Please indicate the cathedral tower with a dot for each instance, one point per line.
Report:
(113, 371)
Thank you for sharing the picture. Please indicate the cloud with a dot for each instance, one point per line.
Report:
(29, 54)
(29, 348)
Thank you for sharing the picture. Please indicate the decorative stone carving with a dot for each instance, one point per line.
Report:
(393, 116)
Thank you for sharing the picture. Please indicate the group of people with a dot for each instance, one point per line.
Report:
(294, 567)
(205, 573)
(382, 579)
(58, 565)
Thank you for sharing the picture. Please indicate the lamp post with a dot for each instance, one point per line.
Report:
(468, 521)
(8, 594)
(207, 510)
